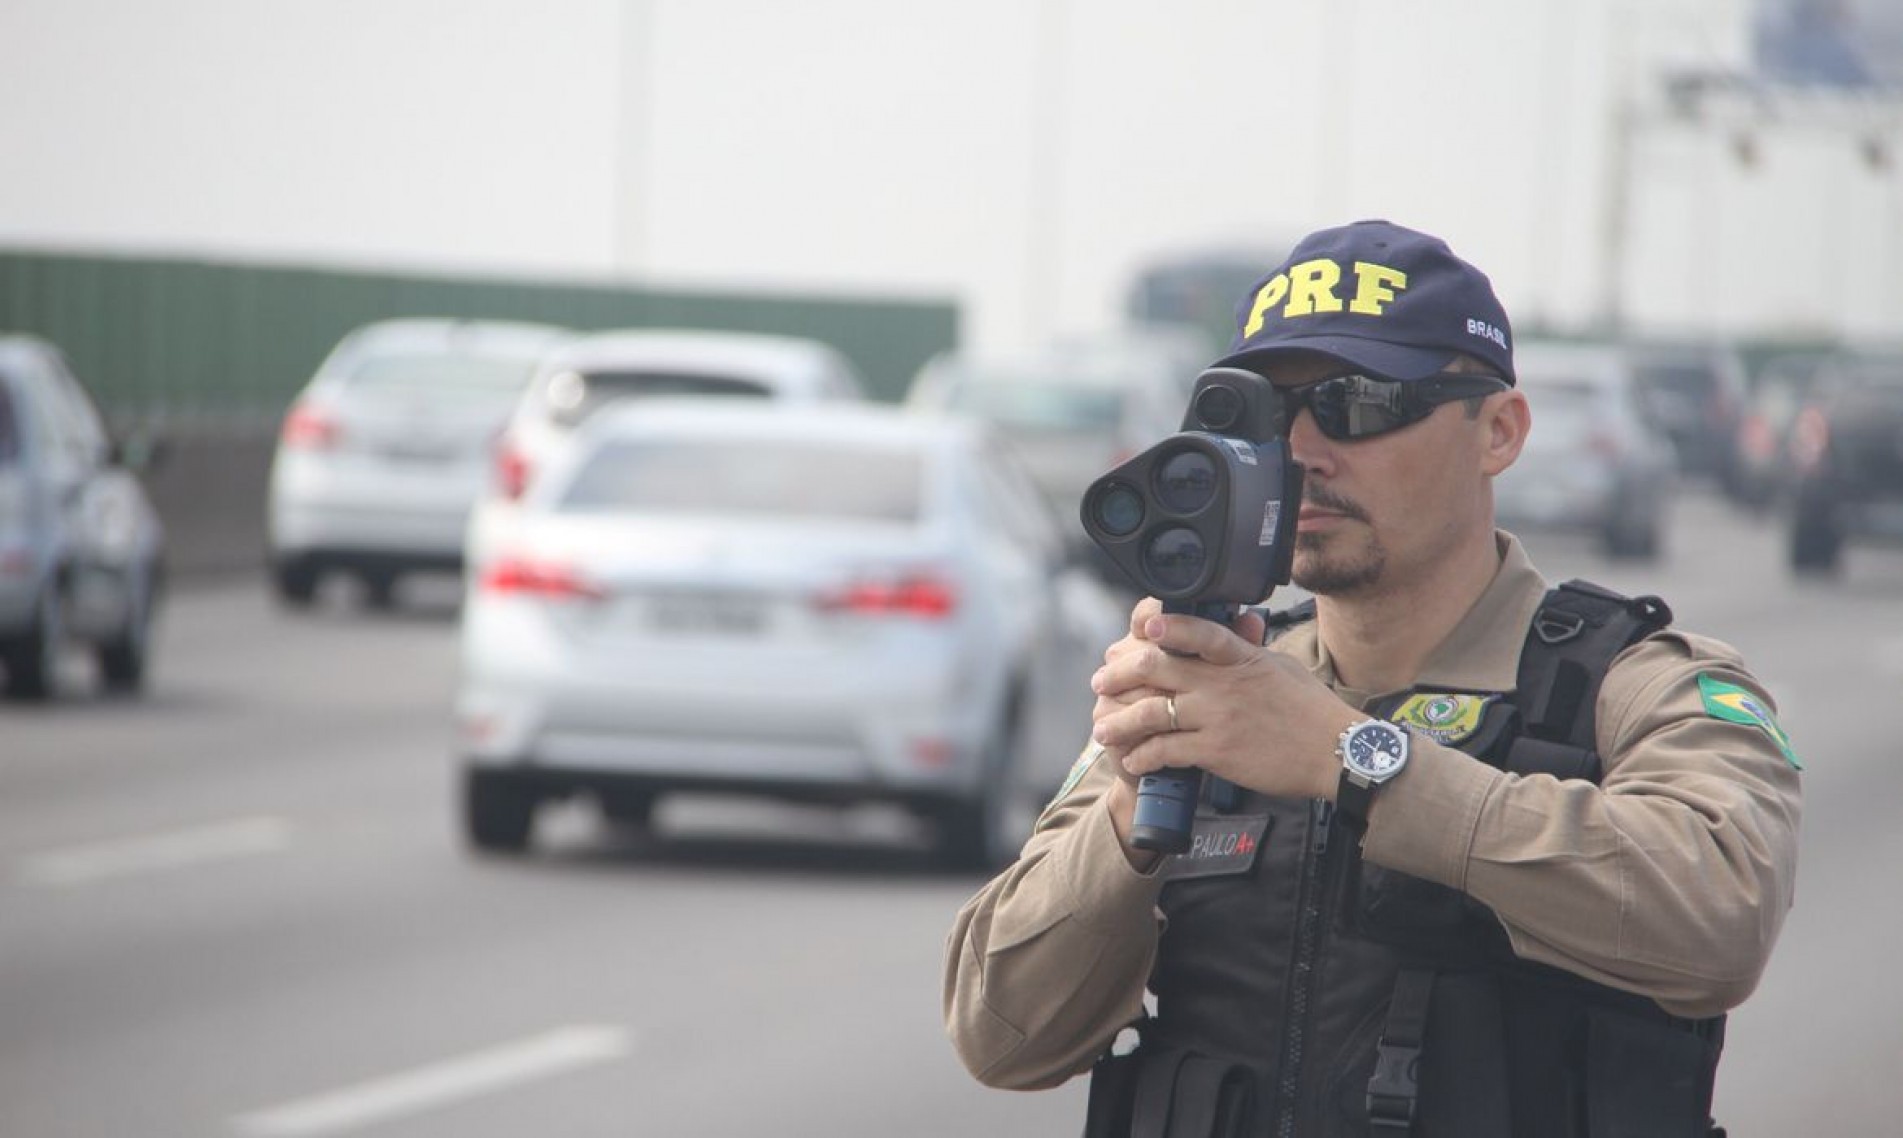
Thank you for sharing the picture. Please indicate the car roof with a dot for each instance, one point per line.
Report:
(752, 353)
(22, 346)
(428, 333)
(846, 424)
(1536, 362)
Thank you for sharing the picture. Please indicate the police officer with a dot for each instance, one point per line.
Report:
(1476, 856)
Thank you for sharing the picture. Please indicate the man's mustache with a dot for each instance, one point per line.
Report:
(1324, 498)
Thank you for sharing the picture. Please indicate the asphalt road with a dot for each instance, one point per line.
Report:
(239, 907)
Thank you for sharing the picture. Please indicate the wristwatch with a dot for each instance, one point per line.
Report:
(1372, 752)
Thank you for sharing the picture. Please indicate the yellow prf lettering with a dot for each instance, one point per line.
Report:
(1266, 297)
(1312, 288)
(1375, 286)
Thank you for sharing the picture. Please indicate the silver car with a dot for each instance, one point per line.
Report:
(1074, 408)
(602, 369)
(81, 548)
(387, 449)
(831, 604)
(1592, 463)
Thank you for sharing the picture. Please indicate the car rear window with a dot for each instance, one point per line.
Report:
(443, 372)
(748, 476)
(1563, 409)
(574, 396)
(1040, 402)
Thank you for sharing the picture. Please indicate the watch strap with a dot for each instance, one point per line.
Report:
(1353, 800)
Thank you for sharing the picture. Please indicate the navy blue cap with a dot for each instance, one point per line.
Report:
(1377, 296)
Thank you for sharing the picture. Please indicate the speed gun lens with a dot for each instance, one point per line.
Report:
(1218, 407)
(1118, 510)
(1174, 559)
(1186, 481)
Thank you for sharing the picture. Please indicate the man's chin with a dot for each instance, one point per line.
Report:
(1337, 576)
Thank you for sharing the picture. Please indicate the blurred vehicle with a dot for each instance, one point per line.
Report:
(1847, 455)
(828, 604)
(1762, 470)
(81, 548)
(1694, 393)
(387, 448)
(1074, 409)
(601, 369)
(1591, 462)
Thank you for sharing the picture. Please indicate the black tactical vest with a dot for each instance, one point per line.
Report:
(1301, 993)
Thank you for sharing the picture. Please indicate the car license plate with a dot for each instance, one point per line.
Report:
(707, 614)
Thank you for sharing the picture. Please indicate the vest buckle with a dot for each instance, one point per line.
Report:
(1394, 1086)
(1554, 626)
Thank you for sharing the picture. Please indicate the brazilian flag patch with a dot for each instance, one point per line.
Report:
(1733, 704)
(1445, 717)
(1078, 770)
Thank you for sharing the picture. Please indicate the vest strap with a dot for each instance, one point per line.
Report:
(1395, 1087)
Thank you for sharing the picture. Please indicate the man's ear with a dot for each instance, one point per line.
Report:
(1505, 419)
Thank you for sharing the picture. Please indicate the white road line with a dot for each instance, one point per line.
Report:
(438, 1084)
(150, 853)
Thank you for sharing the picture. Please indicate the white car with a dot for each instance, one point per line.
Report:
(1075, 409)
(387, 449)
(827, 603)
(1592, 462)
(604, 368)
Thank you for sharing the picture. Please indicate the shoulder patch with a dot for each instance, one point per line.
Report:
(1078, 770)
(1734, 704)
(1445, 717)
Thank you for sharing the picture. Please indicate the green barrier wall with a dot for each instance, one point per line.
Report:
(179, 339)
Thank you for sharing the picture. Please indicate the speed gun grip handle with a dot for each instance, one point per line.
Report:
(1165, 814)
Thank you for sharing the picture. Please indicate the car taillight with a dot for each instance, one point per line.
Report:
(1810, 437)
(512, 471)
(918, 595)
(1605, 444)
(520, 576)
(1756, 439)
(309, 428)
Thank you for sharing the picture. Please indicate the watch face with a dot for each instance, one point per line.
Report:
(1376, 750)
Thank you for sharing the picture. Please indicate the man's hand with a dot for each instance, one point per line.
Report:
(1247, 714)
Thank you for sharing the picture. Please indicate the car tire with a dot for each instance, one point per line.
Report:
(1816, 542)
(1633, 542)
(498, 811)
(32, 660)
(379, 590)
(983, 832)
(294, 579)
(629, 810)
(122, 660)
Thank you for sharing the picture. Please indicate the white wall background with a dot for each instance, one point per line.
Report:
(1022, 156)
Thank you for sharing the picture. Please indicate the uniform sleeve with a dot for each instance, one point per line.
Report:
(1671, 879)
(1049, 961)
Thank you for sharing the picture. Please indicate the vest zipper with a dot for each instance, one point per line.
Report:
(1321, 813)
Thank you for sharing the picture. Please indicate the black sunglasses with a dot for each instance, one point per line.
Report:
(1350, 407)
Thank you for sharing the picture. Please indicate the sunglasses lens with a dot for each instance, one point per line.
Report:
(1355, 407)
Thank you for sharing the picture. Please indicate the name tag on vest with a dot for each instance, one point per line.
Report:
(1221, 844)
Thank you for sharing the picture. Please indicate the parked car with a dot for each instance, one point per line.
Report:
(387, 448)
(1762, 471)
(81, 547)
(601, 369)
(1847, 455)
(1695, 394)
(1592, 462)
(1075, 409)
(831, 604)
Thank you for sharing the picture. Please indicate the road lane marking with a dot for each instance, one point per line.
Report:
(439, 1084)
(152, 853)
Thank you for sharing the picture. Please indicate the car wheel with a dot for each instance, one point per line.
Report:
(122, 659)
(631, 810)
(33, 660)
(1816, 542)
(295, 581)
(1637, 541)
(498, 811)
(379, 590)
(985, 832)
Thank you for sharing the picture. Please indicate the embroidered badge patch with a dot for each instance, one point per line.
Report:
(1733, 704)
(1077, 771)
(1222, 844)
(1445, 717)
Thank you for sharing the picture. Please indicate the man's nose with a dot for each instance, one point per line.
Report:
(1313, 450)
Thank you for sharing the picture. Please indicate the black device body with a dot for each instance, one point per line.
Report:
(1205, 522)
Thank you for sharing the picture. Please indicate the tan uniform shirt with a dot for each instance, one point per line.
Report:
(1670, 879)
